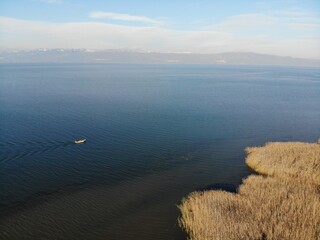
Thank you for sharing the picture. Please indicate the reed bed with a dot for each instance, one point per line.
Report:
(290, 159)
(283, 203)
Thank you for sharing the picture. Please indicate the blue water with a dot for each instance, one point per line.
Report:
(155, 133)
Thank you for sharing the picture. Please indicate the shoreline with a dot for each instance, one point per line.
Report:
(281, 202)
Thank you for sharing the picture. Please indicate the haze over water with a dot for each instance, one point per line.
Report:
(155, 133)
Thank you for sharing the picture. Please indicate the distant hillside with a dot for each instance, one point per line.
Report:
(126, 56)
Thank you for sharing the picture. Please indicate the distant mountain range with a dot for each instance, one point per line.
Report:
(140, 57)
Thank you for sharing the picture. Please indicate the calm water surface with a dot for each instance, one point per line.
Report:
(155, 133)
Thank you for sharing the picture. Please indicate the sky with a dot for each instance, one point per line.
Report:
(278, 27)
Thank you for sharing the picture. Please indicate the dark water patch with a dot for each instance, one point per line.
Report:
(130, 200)
(14, 207)
(16, 150)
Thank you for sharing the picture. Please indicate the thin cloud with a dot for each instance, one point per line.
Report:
(279, 25)
(122, 17)
(245, 21)
(52, 1)
(291, 13)
(305, 25)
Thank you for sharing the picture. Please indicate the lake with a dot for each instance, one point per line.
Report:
(154, 134)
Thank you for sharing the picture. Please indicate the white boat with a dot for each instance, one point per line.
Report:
(80, 141)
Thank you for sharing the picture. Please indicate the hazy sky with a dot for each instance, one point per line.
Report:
(281, 27)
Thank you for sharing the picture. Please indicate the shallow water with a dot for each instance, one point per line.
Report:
(155, 133)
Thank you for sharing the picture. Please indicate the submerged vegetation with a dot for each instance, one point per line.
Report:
(282, 203)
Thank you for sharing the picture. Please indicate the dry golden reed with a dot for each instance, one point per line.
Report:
(283, 204)
(290, 159)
